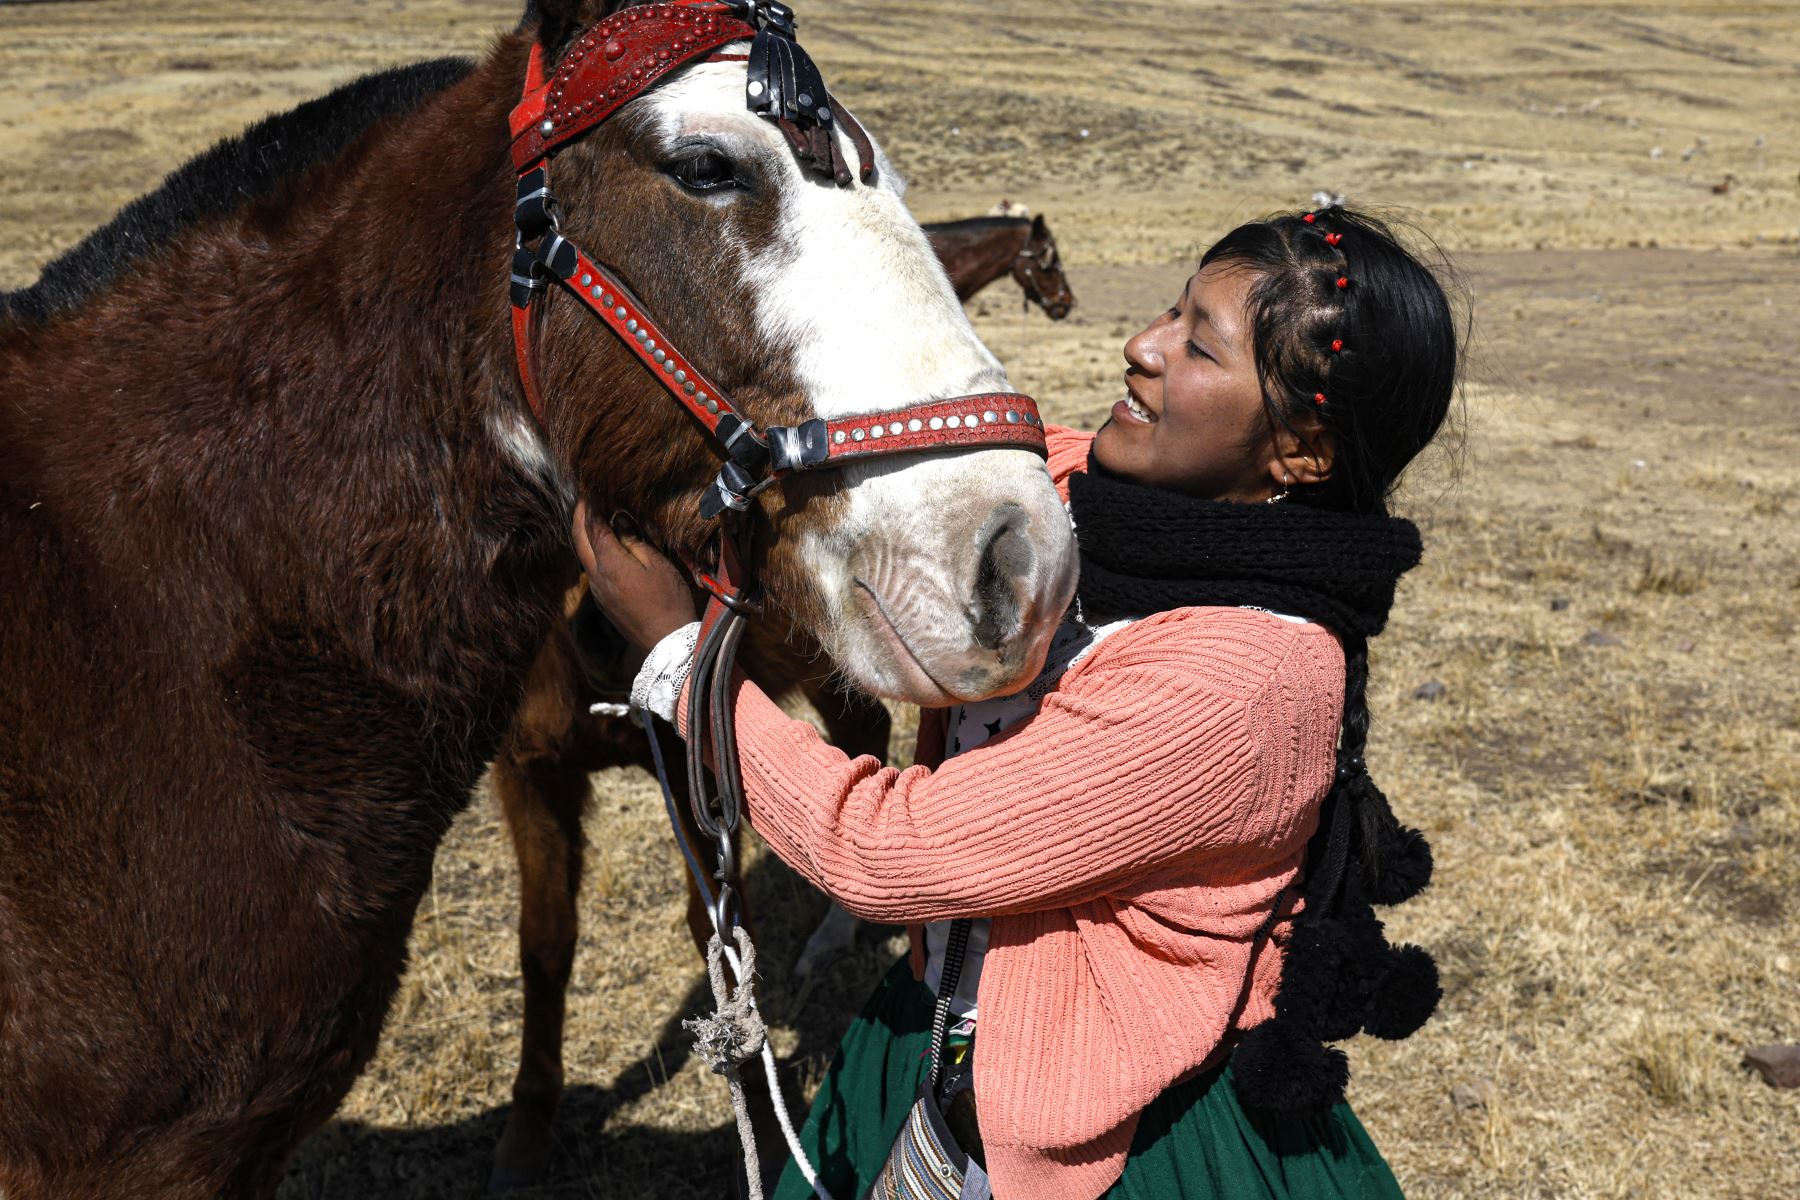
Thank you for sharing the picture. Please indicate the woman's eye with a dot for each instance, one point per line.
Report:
(1195, 351)
(704, 172)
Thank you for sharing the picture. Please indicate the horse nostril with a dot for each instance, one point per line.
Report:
(1006, 558)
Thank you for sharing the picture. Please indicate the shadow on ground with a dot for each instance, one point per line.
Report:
(596, 1157)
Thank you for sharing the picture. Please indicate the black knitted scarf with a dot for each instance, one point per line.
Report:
(1144, 550)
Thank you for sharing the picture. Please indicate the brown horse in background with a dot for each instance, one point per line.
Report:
(979, 250)
(282, 543)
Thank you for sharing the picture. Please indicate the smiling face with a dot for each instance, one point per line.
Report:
(1193, 419)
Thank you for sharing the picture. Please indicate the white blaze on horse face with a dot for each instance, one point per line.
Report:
(948, 572)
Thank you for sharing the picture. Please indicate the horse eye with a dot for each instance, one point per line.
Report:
(703, 172)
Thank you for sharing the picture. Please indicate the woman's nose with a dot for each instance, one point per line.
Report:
(1141, 352)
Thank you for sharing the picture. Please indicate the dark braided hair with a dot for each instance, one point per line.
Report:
(1357, 351)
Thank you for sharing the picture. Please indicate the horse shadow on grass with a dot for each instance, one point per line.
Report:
(356, 1160)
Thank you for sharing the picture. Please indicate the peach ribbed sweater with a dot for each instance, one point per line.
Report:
(1127, 842)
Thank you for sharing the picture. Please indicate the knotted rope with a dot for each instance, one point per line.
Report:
(733, 1035)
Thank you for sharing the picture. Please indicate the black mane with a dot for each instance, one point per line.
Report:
(971, 224)
(233, 172)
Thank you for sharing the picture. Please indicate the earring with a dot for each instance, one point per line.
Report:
(1278, 497)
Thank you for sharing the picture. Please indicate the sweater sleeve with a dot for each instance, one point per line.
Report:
(1158, 752)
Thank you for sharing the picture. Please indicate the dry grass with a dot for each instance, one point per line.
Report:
(1616, 823)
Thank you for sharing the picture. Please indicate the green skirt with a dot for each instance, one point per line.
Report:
(1195, 1140)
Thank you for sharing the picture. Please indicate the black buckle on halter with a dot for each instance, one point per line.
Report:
(528, 277)
(534, 212)
(558, 254)
(797, 447)
(730, 489)
(737, 480)
(741, 441)
(763, 14)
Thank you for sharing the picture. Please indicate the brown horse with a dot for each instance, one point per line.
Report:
(980, 250)
(541, 776)
(282, 542)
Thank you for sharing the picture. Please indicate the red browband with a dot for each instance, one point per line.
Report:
(612, 63)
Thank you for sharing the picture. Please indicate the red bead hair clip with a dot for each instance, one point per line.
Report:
(1343, 281)
(1337, 345)
(1309, 218)
(1318, 397)
(1332, 239)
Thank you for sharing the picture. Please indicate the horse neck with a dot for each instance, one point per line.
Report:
(978, 251)
(296, 417)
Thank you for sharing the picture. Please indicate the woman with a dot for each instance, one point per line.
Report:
(1169, 839)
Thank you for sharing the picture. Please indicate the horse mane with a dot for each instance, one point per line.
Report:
(979, 224)
(235, 171)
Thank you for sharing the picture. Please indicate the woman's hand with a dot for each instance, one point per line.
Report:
(642, 593)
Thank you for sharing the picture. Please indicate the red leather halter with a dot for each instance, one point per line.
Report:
(610, 64)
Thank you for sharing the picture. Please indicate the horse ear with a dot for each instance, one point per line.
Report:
(1038, 228)
(559, 21)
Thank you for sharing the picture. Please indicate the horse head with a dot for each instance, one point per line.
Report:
(1037, 269)
(933, 577)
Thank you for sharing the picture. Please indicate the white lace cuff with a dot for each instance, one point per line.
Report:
(660, 680)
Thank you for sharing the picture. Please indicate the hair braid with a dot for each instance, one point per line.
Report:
(1341, 976)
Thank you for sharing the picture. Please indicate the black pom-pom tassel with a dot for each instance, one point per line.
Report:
(1405, 867)
(1405, 996)
(1322, 987)
(1283, 1071)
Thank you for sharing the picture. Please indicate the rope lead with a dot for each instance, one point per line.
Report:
(735, 1033)
(733, 1036)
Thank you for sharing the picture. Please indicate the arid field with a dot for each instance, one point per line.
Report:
(1610, 604)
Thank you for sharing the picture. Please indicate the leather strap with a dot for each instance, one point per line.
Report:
(521, 321)
(600, 291)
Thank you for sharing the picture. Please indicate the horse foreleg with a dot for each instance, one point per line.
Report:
(543, 801)
(541, 781)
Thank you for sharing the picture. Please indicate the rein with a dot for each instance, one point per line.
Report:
(610, 64)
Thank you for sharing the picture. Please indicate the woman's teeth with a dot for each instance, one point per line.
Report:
(1138, 410)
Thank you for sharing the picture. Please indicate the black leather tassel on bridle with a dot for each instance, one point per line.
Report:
(784, 85)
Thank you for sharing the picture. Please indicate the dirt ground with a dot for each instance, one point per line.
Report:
(1611, 775)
